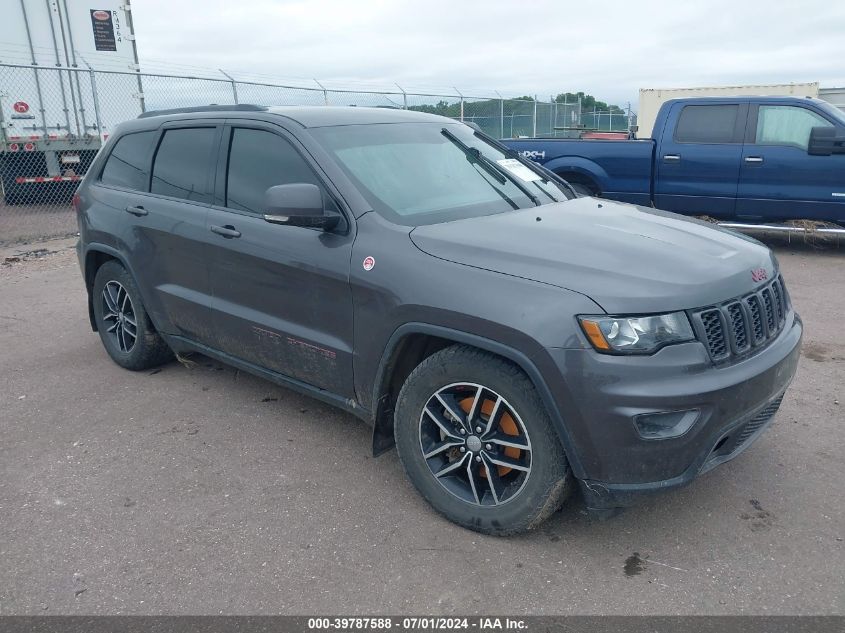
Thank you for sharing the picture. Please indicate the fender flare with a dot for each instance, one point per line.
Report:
(381, 441)
(581, 166)
(99, 247)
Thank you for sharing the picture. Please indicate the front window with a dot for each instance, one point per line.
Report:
(787, 125)
(422, 173)
(832, 111)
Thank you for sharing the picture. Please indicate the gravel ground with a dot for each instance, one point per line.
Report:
(203, 490)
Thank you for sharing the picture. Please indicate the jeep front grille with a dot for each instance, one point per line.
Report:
(744, 324)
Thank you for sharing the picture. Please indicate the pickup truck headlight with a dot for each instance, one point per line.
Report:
(636, 334)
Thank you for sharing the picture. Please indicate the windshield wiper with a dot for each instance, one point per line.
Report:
(545, 174)
(497, 171)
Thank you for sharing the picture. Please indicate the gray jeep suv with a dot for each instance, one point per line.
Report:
(515, 341)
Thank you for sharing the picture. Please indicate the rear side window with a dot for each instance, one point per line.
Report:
(259, 160)
(183, 162)
(707, 124)
(128, 164)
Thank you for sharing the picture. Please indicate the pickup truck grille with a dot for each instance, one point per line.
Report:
(742, 325)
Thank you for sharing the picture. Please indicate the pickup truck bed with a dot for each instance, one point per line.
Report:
(618, 169)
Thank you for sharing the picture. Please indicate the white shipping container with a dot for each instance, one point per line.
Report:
(652, 98)
(835, 96)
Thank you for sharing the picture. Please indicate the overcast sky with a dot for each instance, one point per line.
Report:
(607, 48)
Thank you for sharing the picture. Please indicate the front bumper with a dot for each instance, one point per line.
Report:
(736, 404)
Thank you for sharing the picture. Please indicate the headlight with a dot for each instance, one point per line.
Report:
(638, 334)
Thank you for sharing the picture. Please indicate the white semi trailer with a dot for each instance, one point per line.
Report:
(53, 117)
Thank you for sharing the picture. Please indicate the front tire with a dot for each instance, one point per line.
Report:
(122, 321)
(477, 443)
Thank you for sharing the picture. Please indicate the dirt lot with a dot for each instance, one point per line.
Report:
(204, 490)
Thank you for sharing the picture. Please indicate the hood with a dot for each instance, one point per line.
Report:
(628, 259)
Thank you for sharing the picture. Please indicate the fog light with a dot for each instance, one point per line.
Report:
(659, 426)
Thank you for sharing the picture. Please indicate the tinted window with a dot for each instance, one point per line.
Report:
(259, 160)
(707, 124)
(127, 164)
(182, 164)
(787, 125)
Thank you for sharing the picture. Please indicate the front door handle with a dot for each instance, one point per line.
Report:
(139, 211)
(226, 231)
(753, 159)
(672, 158)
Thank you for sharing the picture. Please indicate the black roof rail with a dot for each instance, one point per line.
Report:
(241, 107)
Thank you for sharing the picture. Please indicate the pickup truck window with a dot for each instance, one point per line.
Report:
(413, 174)
(707, 124)
(787, 125)
(835, 114)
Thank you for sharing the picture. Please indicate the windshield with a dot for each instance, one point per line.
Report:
(837, 114)
(422, 173)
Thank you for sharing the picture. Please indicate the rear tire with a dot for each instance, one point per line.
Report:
(122, 321)
(454, 454)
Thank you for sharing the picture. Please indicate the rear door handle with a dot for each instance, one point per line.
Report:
(226, 231)
(753, 159)
(139, 211)
(673, 158)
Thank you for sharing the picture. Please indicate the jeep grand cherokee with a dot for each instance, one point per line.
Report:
(515, 340)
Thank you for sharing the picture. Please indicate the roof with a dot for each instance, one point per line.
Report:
(741, 98)
(308, 116)
(323, 116)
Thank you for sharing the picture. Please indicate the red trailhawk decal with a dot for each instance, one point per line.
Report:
(759, 274)
(369, 262)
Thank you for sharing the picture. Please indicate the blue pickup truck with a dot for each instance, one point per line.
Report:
(746, 158)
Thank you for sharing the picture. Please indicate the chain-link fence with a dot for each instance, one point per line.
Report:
(54, 120)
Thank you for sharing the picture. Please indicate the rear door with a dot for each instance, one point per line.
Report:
(169, 237)
(698, 156)
(282, 299)
(779, 180)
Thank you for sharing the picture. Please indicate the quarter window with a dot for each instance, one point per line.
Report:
(128, 164)
(259, 160)
(707, 124)
(787, 125)
(183, 164)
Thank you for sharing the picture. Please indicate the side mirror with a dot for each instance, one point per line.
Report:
(822, 141)
(299, 204)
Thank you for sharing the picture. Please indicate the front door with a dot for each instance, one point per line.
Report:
(282, 299)
(779, 180)
(697, 159)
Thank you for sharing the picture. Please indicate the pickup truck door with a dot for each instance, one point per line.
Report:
(282, 299)
(697, 158)
(779, 180)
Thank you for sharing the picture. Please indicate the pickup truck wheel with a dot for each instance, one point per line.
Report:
(583, 190)
(476, 441)
(122, 322)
